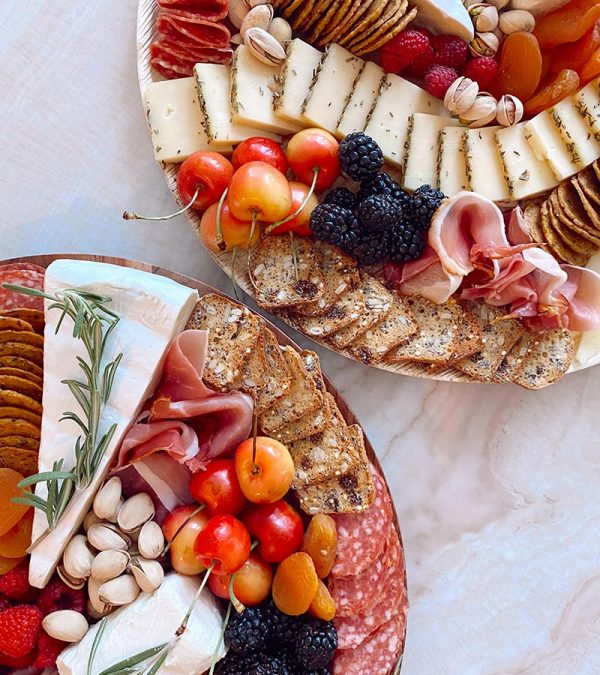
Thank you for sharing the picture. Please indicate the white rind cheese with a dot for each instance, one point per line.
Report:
(445, 17)
(546, 142)
(587, 101)
(153, 310)
(362, 100)
(485, 171)
(151, 621)
(175, 120)
(581, 143)
(327, 98)
(452, 167)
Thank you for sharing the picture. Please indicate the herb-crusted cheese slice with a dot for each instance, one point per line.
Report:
(452, 167)
(548, 145)
(485, 171)
(423, 148)
(252, 90)
(332, 88)
(587, 101)
(388, 120)
(175, 120)
(297, 75)
(581, 142)
(362, 100)
(526, 175)
(152, 311)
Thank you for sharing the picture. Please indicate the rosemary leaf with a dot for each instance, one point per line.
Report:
(134, 660)
(96, 644)
(32, 500)
(156, 666)
(42, 477)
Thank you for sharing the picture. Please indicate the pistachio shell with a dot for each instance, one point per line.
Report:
(66, 625)
(461, 95)
(72, 582)
(109, 564)
(90, 519)
(151, 541)
(100, 608)
(516, 20)
(105, 537)
(237, 11)
(484, 44)
(77, 558)
(482, 112)
(281, 30)
(499, 4)
(258, 17)
(485, 17)
(510, 110)
(136, 511)
(264, 47)
(106, 501)
(149, 574)
(120, 591)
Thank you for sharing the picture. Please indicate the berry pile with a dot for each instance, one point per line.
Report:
(380, 222)
(264, 641)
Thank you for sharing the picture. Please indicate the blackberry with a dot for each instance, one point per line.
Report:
(406, 241)
(360, 156)
(248, 632)
(252, 664)
(383, 184)
(319, 671)
(341, 197)
(424, 202)
(334, 225)
(370, 248)
(316, 642)
(379, 212)
(283, 626)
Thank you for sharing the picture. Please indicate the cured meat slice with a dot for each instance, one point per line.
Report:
(21, 274)
(362, 536)
(378, 655)
(173, 60)
(196, 31)
(209, 10)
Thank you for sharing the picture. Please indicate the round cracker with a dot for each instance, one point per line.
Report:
(320, 7)
(557, 246)
(388, 35)
(326, 17)
(11, 426)
(11, 323)
(305, 11)
(573, 240)
(24, 374)
(354, 16)
(21, 364)
(18, 459)
(20, 414)
(23, 350)
(533, 218)
(16, 400)
(590, 184)
(25, 336)
(591, 210)
(25, 442)
(21, 386)
(596, 167)
(289, 8)
(33, 316)
(577, 225)
(330, 29)
(365, 21)
(389, 11)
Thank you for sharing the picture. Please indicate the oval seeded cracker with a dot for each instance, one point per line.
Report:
(558, 247)
(23, 374)
(24, 442)
(11, 323)
(573, 240)
(591, 209)
(373, 30)
(21, 386)
(331, 27)
(35, 317)
(396, 26)
(23, 350)
(22, 336)
(18, 459)
(590, 184)
(356, 14)
(13, 399)
(20, 414)
(365, 21)
(21, 364)
(15, 427)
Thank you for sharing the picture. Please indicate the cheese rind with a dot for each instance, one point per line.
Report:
(581, 143)
(546, 142)
(452, 167)
(485, 171)
(152, 311)
(362, 100)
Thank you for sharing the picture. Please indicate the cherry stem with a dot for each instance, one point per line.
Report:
(254, 217)
(178, 530)
(294, 255)
(254, 545)
(232, 277)
(130, 215)
(182, 628)
(302, 206)
(221, 638)
(255, 468)
(239, 606)
(220, 240)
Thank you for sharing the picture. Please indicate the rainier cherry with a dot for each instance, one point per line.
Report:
(235, 233)
(264, 468)
(181, 528)
(259, 191)
(313, 157)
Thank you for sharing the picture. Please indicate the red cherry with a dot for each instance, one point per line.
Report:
(224, 543)
(278, 528)
(313, 150)
(259, 149)
(218, 487)
(208, 172)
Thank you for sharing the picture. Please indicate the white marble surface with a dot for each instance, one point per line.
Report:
(497, 488)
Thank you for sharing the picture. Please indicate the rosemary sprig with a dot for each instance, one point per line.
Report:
(96, 644)
(93, 322)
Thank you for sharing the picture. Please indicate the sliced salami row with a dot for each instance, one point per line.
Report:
(21, 274)
(368, 586)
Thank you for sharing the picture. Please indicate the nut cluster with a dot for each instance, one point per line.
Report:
(264, 35)
(492, 21)
(116, 557)
(477, 108)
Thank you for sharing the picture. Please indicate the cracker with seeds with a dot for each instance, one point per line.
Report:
(548, 359)
(254, 373)
(556, 235)
(315, 423)
(470, 339)
(590, 184)
(514, 361)
(278, 375)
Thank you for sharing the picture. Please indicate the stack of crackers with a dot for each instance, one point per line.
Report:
(21, 379)
(568, 221)
(291, 403)
(362, 26)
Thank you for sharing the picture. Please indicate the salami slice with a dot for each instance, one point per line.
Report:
(196, 31)
(362, 536)
(21, 274)
(173, 60)
(377, 656)
(209, 10)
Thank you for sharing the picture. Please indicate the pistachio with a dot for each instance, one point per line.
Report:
(264, 46)
(484, 44)
(237, 11)
(151, 541)
(77, 558)
(109, 564)
(499, 4)
(136, 511)
(258, 17)
(255, 3)
(100, 608)
(66, 625)
(106, 501)
(105, 537)
(516, 20)
(237, 39)
(281, 30)
(90, 519)
(482, 112)
(484, 16)
(510, 110)
(461, 95)
(539, 7)
(149, 574)
(72, 582)
(120, 591)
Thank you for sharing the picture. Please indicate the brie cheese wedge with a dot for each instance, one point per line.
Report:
(151, 621)
(152, 311)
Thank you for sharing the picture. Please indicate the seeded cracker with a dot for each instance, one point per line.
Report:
(22, 350)
(18, 459)
(514, 361)
(21, 386)
(590, 184)
(21, 442)
(592, 210)
(279, 376)
(305, 10)
(533, 218)
(22, 364)
(309, 425)
(18, 427)
(11, 412)
(361, 9)
(569, 210)
(22, 336)
(551, 227)
(254, 373)
(35, 317)
(400, 21)
(24, 374)
(575, 242)
(359, 28)
(334, 6)
(14, 400)
(10, 323)
(328, 30)
(378, 23)
(548, 360)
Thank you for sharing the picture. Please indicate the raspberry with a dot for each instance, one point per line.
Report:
(15, 584)
(438, 79)
(16, 664)
(48, 650)
(482, 70)
(449, 50)
(4, 603)
(421, 64)
(57, 595)
(19, 628)
(402, 50)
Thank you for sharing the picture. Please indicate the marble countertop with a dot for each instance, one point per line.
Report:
(496, 488)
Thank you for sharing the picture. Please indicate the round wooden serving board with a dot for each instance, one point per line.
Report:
(203, 289)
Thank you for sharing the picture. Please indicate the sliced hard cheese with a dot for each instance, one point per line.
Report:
(388, 121)
(362, 100)
(213, 83)
(150, 621)
(175, 120)
(152, 311)
(485, 171)
(252, 87)
(582, 145)
(332, 88)
(525, 174)
(544, 138)
(423, 148)
(297, 75)
(452, 167)
(587, 101)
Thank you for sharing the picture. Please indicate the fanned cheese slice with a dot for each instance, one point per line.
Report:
(452, 167)
(485, 171)
(362, 100)
(152, 310)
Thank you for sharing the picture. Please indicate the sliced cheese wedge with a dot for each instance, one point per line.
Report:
(423, 149)
(525, 174)
(297, 75)
(175, 120)
(398, 99)
(452, 166)
(581, 143)
(485, 171)
(152, 310)
(332, 88)
(150, 621)
(548, 145)
(587, 101)
(252, 90)
(362, 100)
(213, 82)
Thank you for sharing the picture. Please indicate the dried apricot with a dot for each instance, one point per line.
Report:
(16, 541)
(10, 513)
(575, 55)
(567, 24)
(295, 584)
(322, 605)
(520, 66)
(8, 564)
(563, 85)
(591, 68)
(320, 542)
